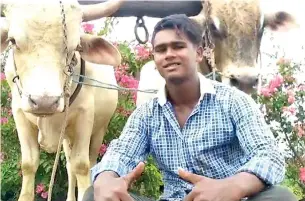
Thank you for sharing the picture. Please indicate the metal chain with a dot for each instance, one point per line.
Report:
(4, 57)
(65, 34)
(209, 49)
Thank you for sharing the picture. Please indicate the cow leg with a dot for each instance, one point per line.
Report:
(79, 158)
(27, 135)
(96, 143)
(71, 176)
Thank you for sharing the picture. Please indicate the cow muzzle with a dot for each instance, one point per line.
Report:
(245, 79)
(44, 105)
(245, 83)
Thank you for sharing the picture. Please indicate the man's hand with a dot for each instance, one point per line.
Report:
(112, 188)
(206, 189)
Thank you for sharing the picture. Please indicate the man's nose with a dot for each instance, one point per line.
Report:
(170, 53)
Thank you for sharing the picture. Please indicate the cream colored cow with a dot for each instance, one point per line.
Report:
(236, 29)
(35, 30)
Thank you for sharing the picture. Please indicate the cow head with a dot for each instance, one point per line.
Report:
(236, 29)
(35, 31)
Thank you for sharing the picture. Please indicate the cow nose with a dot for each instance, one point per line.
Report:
(247, 80)
(244, 83)
(44, 104)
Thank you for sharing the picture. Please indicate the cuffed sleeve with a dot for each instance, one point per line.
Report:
(124, 153)
(265, 160)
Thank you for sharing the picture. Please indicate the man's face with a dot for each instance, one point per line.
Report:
(175, 56)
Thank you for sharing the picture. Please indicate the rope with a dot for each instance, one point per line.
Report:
(61, 138)
(120, 88)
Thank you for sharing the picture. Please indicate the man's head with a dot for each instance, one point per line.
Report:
(177, 48)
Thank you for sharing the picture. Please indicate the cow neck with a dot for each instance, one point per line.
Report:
(16, 80)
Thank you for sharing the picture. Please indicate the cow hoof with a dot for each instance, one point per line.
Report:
(26, 197)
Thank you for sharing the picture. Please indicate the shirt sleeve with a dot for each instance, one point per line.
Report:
(265, 160)
(125, 152)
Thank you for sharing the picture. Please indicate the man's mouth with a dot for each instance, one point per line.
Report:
(172, 65)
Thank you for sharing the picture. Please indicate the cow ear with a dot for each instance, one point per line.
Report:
(280, 21)
(97, 50)
(4, 33)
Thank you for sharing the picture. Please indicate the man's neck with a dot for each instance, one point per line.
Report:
(184, 94)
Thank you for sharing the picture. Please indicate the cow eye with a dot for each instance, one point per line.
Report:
(213, 27)
(215, 30)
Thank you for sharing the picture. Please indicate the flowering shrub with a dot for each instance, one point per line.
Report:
(283, 99)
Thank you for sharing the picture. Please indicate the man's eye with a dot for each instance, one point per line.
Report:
(179, 46)
(160, 49)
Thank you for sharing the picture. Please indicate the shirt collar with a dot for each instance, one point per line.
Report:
(206, 87)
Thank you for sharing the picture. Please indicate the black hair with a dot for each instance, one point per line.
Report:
(182, 23)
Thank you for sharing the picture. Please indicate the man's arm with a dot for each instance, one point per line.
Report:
(266, 164)
(124, 153)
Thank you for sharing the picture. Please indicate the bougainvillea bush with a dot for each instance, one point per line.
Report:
(283, 105)
(281, 97)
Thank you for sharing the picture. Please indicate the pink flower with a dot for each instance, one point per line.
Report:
(276, 83)
(2, 76)
(142, 53)
(4, 120)
(282, 61)
(88, 28)
(44, 195)
(40, 188)
(103, 149)
(291, 99)
(302, 174)
(301, 131)
(266, 92)
(290, 110)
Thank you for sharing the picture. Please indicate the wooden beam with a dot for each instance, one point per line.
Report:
(153, 8)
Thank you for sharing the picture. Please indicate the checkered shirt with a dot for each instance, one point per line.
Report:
(224, 135)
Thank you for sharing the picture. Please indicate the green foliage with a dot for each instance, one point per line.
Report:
(291, 182)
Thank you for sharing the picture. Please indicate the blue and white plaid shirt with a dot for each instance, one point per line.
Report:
(225, 134)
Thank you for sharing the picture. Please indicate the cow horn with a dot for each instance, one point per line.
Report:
(201, 17)
(96, 11)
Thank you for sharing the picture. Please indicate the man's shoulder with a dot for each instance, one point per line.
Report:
(224, 92)
(146, 108)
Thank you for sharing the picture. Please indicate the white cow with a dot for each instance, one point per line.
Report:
(35, 31)
(236, 29)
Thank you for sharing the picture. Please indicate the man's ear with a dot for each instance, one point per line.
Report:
(97, 50)
(199, 53)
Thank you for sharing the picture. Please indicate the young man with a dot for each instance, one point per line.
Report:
(210, 141)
